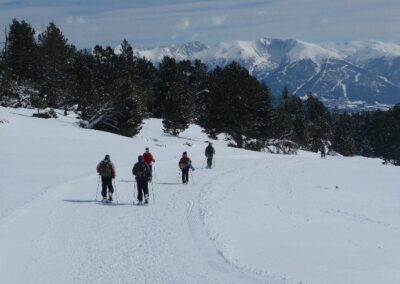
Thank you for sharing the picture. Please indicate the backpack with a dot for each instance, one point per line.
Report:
(105, 170)
(185, 164)
(141, 170)
(209, 151)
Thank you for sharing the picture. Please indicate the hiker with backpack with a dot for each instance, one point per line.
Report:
(185, 164)
(106, 170)
(142, 173)
(148, 159)
(209, 153)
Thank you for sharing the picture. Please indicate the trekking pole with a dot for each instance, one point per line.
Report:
(97, 190)
(116, 193)
(152, 190)
(154, 175)
(179, 176)
(134, 190)
(191, 173)
(214, 163)
(204, 161)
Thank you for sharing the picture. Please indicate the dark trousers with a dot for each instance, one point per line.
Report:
(106, 182)
(209, 161)
(142, 189)
(185, 175)
(322, 155)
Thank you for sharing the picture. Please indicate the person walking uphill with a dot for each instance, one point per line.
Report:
(210, 152)
(142, 173)
(107, 172)
(185, 164)
(148, 159)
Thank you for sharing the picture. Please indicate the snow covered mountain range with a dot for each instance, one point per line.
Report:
(356, 74)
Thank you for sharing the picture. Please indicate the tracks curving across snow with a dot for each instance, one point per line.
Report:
(65, 236)
(215, 257)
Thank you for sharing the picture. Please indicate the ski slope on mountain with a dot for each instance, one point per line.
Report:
(254, 218)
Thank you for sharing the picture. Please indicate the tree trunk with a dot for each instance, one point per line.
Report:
(238, 140)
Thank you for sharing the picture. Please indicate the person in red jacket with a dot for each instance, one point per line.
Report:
(185, 164)
(107, 172)
(148, 159)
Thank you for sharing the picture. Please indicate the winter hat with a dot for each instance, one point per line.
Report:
(140, 158)
(147, 148)
(184, 153)
(107, 158)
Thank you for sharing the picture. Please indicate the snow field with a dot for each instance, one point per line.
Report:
(255, 218)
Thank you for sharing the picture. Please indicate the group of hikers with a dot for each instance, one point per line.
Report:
(143, 172)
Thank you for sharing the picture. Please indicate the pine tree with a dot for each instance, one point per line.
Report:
(177, 111)
(145, 77)
(342, 134)
(85, 91)
(235, 103)
(176, 108)
(317, 123)
(199, 89)
(56, 56)
(127, 107)
(395, 141)
(167, 73)
(120, 106)
(18, 65)
(20, 54)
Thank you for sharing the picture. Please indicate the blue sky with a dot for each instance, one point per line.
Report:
(160, 22)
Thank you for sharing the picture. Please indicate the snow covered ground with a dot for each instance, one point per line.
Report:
(254, 218)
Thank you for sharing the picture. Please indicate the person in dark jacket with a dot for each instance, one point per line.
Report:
(142, 173)
(322, 150)
(209, 152)
(185, 164)
(106, 170)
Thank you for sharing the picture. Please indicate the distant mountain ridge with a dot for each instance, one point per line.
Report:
(358, 74)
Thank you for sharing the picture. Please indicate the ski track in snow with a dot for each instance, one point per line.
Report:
(214, 193)
(216, 258)
(117, 243)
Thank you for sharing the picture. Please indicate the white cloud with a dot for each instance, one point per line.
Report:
(218, 20)
(195, 36)
(183, 24)
(324, 21)
(81, 20)
(75, 20)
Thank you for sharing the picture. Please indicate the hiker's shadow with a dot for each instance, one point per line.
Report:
(168, 183)
(99, 202)
(80, 201)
